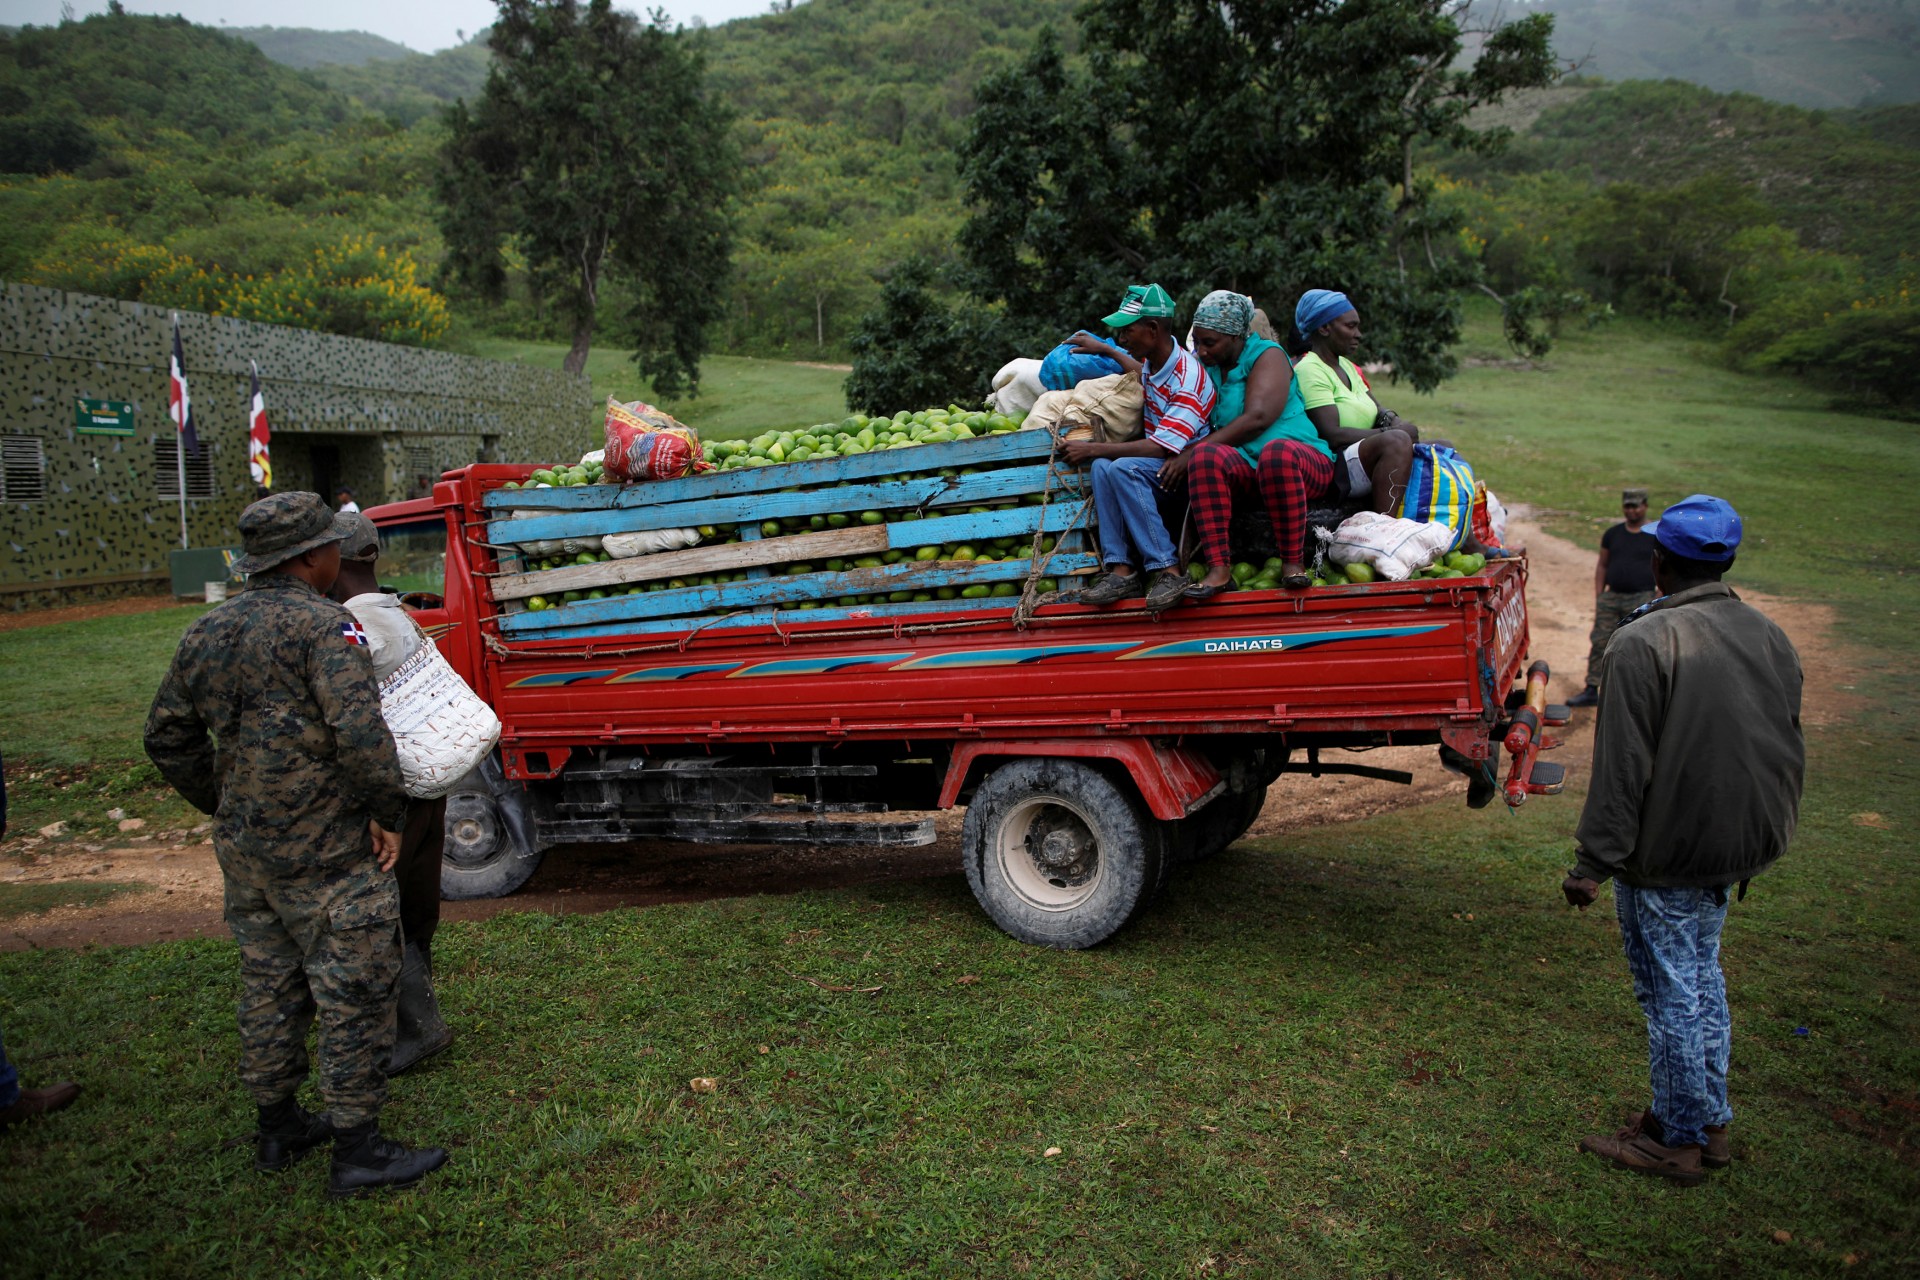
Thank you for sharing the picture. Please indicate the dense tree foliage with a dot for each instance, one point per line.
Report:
(159, 161)
(1264, 146)
(595, 153)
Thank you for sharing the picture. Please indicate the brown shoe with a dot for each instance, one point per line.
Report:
(37, 1102)
(1719, 1150)
(1113, 588)
(1635, 1150)
(1169, 589)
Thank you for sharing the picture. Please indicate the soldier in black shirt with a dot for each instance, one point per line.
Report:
(1622, 582)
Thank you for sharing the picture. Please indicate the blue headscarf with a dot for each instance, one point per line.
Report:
(1317, 306)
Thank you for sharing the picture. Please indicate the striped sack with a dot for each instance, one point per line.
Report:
(1440, 491)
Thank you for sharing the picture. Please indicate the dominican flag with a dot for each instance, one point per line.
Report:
(258, 435)
(352, 633)
(179, 407)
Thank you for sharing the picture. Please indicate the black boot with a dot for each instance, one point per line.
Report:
(287, 1132)
(419, 1031)
(364, 1161)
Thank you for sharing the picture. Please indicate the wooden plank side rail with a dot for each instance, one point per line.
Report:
(980, 451)
(917, 492)
(577, 618)
(792, 549)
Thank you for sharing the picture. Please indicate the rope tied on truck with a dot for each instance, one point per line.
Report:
(1042, 555)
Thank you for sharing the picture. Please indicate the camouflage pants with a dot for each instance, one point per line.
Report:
(1609, 611)
(325, 947)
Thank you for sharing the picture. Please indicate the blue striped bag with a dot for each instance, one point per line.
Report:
(1440, 491)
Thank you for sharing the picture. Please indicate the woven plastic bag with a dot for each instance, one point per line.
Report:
(1396, 547)
(441, 729)
(645, 443)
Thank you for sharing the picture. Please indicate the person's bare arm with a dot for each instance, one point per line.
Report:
(1326, 420)
(1267, 386)
(1600, 573)
(1081, 452)
(1090, 345)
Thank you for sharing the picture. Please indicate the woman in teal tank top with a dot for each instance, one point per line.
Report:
(1263, 449)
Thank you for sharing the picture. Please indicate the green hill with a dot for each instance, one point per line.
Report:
(1847, 182)
(1812, 53)
(303, 48)
(415, 86)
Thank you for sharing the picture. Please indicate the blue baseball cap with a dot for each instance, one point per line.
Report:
(1699, 527)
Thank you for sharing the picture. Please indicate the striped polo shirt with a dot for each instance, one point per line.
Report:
(1178, 400)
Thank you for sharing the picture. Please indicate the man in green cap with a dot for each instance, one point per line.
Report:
(1130, 476)
(270, 721)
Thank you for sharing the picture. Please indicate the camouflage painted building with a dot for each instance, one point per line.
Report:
(89, 491)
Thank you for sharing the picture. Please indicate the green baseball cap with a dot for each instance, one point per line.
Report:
(1142, 300)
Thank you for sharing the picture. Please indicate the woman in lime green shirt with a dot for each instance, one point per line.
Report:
(1374, 445)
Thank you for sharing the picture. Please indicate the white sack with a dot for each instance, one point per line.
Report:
(621, 546)
(441, 730)
(540, 548)
(1017, 386)
(1396, 547)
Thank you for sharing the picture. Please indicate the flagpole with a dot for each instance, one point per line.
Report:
(180, 452)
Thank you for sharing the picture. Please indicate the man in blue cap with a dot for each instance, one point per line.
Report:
(1698, 761)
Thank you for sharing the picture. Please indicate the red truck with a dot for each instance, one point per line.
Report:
(1094, 750)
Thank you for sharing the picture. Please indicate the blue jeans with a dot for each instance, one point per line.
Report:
(1126, 499)
(1672, 941)
(9, 1080)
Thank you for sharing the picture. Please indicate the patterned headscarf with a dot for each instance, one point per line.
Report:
(1224, 311)
(1317, 306)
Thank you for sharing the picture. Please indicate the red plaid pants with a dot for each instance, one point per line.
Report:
(1291, 475)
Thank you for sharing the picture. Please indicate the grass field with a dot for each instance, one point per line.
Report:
(738, 396)
(1363, 1050)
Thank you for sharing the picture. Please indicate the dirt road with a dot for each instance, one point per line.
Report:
(180, 881)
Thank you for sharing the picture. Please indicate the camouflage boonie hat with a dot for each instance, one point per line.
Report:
(1633, 497)
(362, 542)
(276, 529)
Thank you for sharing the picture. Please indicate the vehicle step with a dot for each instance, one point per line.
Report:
(1546, 778)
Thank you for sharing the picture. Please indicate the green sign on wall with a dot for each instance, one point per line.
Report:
(102, 417)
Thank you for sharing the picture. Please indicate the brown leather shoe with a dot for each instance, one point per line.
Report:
(1111, 588)
(1719, 1150)
(38, 1102)
(1636, 1150)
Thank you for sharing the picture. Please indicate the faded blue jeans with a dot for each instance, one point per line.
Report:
(1126, 496)
(1672, 941)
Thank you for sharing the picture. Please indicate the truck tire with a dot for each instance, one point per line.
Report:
(489, 850)
(1225, 819)
(1059, 854)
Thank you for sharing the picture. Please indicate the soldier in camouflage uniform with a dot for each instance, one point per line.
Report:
(304, 787)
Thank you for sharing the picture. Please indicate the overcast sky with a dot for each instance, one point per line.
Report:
(425, 25)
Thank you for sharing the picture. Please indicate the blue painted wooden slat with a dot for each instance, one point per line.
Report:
(786, 617)
(1002, 522)
(907, 575)
(980, 451)
(933, 491)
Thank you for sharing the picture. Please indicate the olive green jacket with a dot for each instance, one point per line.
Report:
(1698, 757)
(299, 758)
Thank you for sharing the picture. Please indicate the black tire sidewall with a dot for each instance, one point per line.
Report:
(510, 865)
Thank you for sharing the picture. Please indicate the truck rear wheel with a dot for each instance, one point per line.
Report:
(489, 850)
(1058, 853)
